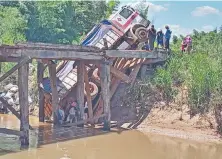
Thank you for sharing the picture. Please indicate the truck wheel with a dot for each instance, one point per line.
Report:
(93, 90)
(141, 34)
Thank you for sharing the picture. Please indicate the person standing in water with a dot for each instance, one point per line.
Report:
(151, 37)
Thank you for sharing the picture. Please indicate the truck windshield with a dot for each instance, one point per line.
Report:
(126, 13)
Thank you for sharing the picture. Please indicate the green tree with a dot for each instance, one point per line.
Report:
(175, 39)
(111, 7)
(12, 26)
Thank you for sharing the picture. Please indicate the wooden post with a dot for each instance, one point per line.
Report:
(80, 86)
(55, 97)
(88, 95)
(40, 73)
(105, 87)
(23, 101)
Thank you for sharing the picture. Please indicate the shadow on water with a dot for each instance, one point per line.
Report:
(45, 134)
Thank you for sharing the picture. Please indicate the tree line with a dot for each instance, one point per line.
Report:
(63, 22)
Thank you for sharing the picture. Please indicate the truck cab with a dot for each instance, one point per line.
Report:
(121, 30)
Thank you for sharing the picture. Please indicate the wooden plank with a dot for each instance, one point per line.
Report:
(88, 94)
(151, 61)
(9, 59)
(80, 86)
(57, 46)
(105, 88)
(40, 73)
(55, 97)
(12, 70)
(23, 73)
(117, 73)
(131, 53)
(53, 54)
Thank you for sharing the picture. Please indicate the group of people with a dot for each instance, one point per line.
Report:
(163, 40)
(71, 113)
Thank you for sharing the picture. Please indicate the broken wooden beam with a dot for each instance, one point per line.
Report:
(12, 70)
(5, 103)
(117, 73)
(23, 73)
(55, 97)
(134, 73)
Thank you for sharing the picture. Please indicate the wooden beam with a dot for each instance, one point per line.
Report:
(105, 88)
(5, 103)
(40, 73)
(57, 47)
(53, 54)
(117, 73)
(134, 73)
(80, 86)
(9, 59)
(12, 70)
(55, 97)
(88, 94)
(23, 73)
(131, 53)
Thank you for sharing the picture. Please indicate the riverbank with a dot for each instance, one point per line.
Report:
(171, 122)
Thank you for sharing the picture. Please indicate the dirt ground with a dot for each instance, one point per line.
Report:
(157, 117)
(168, 121)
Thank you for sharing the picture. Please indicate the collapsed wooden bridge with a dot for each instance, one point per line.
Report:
(102, 67)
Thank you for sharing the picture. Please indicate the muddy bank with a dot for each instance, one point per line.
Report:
(142, 108)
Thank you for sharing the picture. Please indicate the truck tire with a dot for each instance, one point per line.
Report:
(141, 34)
(93, 90)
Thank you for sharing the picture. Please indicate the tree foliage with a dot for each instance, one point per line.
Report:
(62, 22)
(200, 71)
(12, 25)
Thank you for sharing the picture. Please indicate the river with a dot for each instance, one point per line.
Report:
(95, 144)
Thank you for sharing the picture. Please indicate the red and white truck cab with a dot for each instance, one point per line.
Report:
(121, 30)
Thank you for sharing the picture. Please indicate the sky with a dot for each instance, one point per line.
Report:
(183, 16)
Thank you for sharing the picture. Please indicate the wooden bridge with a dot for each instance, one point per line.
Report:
(113, 66)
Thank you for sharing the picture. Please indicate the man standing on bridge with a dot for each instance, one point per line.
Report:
(151, 37)
(167, 37)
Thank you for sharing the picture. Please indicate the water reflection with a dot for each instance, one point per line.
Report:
(61, 143)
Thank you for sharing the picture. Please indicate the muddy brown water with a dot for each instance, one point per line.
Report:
(89, 143)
